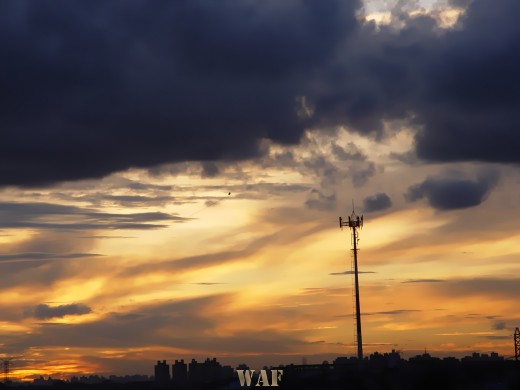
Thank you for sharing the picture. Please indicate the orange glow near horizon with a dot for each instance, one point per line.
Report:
(259, 273)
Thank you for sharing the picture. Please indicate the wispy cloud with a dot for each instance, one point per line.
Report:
(43, 216)
(393, 312)
(44, 311)
(465, 334)
(423, 281)
(38, 256)
(351, 272)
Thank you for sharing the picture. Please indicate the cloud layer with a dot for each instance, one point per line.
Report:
(450, 193)
(377, 202)
(44, 311)
(95, 88)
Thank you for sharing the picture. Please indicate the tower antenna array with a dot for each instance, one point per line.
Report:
(355, 222)
(6, 363)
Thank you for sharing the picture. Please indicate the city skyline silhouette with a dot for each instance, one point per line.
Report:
(376, 371)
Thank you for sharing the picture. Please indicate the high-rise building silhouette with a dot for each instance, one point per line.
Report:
(179, 373)
(162, 373)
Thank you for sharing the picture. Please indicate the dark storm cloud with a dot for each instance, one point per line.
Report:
(93, 87)
(96, 87)
(377, 202)
(43, 215)
(44, 312)
(453, 193)
(473, 91)
(460, 3)
(460, 87)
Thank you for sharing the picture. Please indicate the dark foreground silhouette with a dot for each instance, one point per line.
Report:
(379, 371)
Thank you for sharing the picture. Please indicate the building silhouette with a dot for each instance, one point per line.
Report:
(179, 373)
(208, 371)
(162, 373)
(378, 371)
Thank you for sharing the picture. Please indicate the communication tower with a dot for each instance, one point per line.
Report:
(355, 222)
(6, 363)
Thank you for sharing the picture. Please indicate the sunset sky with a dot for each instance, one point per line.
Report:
(172, 173)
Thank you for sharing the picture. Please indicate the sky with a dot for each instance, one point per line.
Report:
(172, 173)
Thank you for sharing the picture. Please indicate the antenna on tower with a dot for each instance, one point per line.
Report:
(6, 363)
(355, 222)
